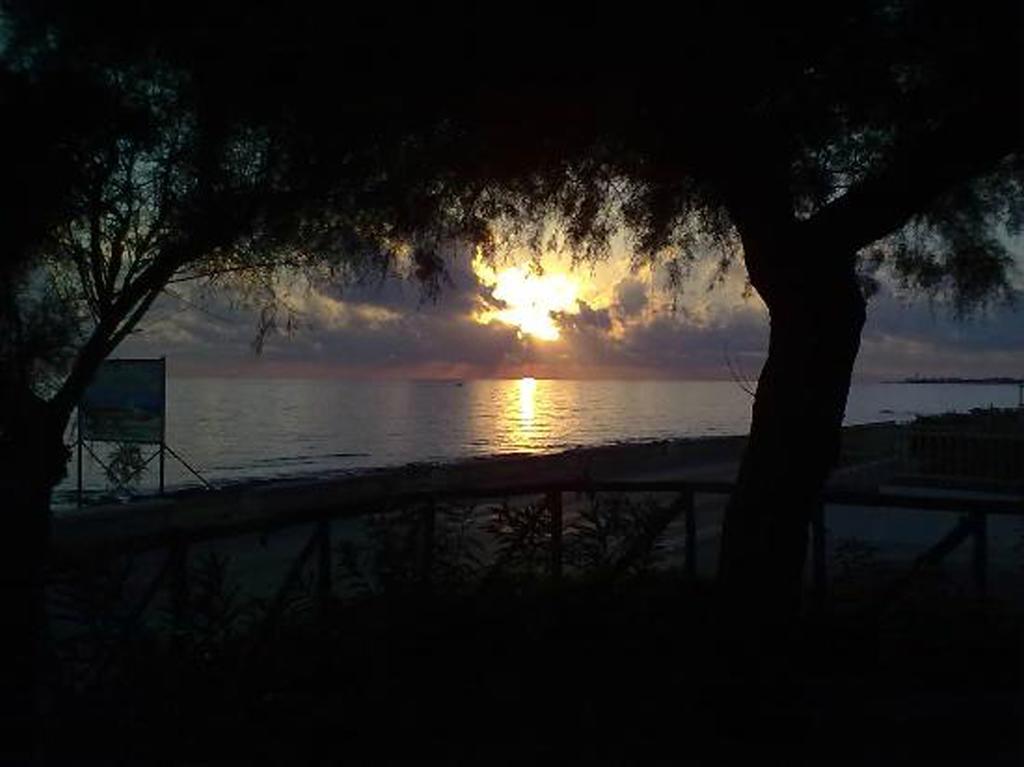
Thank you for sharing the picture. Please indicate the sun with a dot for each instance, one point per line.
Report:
(530, 300)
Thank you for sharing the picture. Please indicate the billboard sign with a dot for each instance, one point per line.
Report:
(125, 402)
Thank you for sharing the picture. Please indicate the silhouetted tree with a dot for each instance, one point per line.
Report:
(820, 143)
(817, 144)
(143, 151)
(181, 172)
(811, 142)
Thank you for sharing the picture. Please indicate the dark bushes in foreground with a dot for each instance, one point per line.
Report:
(499, 665)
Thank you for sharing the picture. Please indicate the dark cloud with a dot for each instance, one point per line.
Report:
(585, 317)
(674, 343)
(906, 337)
(392, 325)
(460, 288)
(1000, 327)
(630, 297)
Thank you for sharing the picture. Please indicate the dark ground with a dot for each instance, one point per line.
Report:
(598, 673)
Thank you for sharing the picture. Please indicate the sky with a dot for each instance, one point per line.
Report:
(508, 319)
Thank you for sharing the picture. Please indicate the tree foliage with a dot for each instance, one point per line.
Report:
(163, 142)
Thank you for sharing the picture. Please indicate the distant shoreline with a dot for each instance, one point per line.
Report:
(992, 381)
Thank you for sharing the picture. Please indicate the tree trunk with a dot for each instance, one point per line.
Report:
(817, 311)
(33, 459)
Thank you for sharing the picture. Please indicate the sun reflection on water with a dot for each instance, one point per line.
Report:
(527, 401)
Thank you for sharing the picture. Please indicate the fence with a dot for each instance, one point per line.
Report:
(173, 573)
(960, 455)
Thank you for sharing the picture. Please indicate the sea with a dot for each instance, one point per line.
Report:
(231, 430)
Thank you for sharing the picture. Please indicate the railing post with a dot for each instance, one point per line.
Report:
(323, 583)
(687, 501)
(79, 457)
(554, 503)
(818, 562)
(980, 552)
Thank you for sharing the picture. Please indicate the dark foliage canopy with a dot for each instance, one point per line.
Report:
(146, 142)
(423, 124)
(891, 128)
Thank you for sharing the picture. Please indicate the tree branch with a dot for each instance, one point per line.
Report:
(112, 324)
(95, 257)
(129, 324)
(966, 146)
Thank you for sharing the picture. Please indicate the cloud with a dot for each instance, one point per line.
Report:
(584, 318)
(905, 337)
(630, 297)
(393, 327)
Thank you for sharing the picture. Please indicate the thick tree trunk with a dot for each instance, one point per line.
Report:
(817, 312)
(33, 459)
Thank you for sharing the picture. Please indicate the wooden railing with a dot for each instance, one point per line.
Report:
(962, 454)
(177, 542)
(173, 574)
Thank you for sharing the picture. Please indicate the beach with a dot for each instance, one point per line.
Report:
(260, 527)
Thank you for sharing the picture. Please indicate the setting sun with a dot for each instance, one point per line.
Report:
(530, 300)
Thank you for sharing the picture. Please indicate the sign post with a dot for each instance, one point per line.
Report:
(78, 435)
(163, 421)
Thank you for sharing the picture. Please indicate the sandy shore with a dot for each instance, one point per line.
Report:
(706, 458)
(238, 518)
(127, 525)
(261, 558)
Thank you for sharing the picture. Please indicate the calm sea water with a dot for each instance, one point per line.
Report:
(241, 429)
